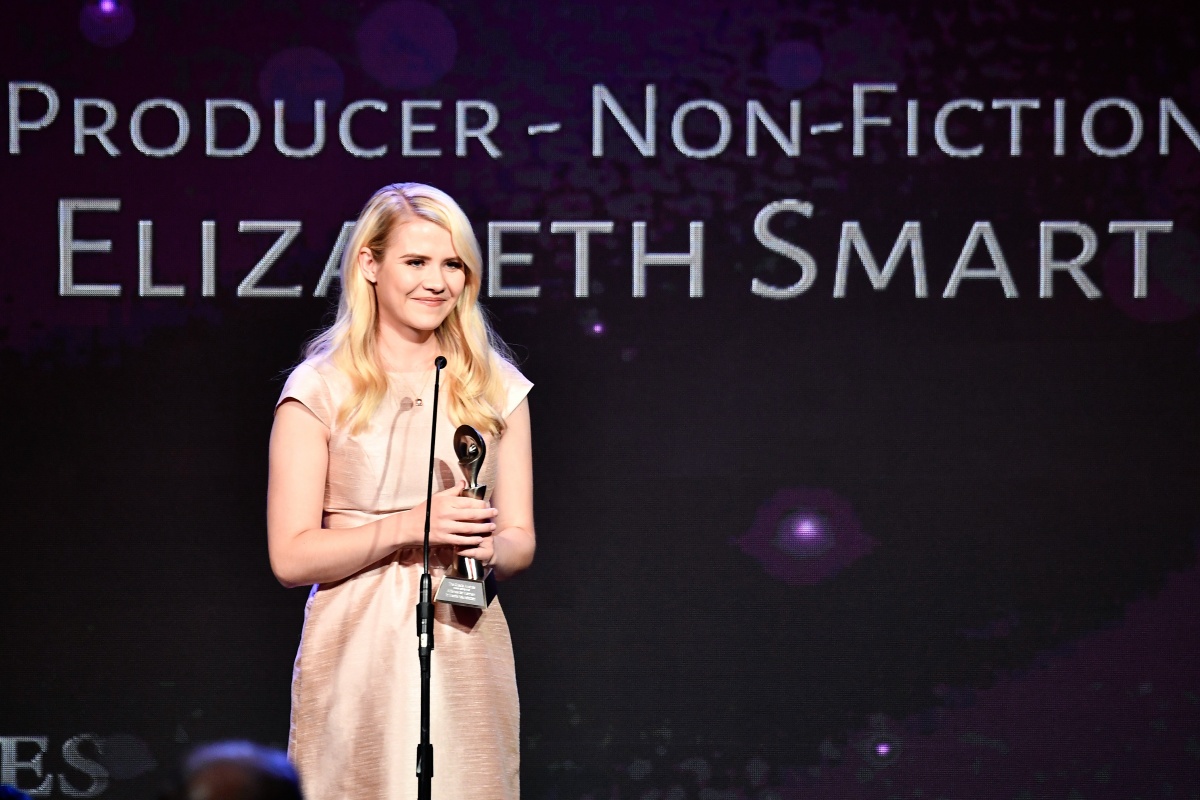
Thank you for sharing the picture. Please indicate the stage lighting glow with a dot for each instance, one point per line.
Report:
(881, 749)
(804, 534)
(590, 323)
(106, 23)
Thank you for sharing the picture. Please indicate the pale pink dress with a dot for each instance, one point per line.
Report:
(356, 683)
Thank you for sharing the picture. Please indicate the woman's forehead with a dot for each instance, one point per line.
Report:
(423, 237)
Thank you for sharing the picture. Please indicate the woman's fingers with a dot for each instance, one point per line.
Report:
(460, 540)
(461, 521)
(467, 514)
(466, 504)
(481, 525)
(463, 534)
(475, 528)
(476, 553)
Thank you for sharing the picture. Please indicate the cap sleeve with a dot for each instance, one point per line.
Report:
(308, 386)
(516, 386)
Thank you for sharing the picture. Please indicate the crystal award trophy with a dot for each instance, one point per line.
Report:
(472, 585)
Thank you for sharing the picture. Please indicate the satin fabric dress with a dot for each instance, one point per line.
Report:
(356, 681)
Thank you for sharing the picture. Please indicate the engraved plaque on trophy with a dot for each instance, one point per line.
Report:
(472, 585)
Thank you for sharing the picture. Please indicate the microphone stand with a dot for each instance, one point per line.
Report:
(425, 619)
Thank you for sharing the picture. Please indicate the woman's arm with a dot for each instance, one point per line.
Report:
(510, 549)
(302, 552)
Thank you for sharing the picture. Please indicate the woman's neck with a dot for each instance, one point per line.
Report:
(406, 353)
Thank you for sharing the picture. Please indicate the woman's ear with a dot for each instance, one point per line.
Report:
(367, 265)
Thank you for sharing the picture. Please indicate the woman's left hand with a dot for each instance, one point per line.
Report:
(509, 548)
(484, 552)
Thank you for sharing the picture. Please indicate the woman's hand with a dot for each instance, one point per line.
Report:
(453, 520)
(510, 549)
(484, 552)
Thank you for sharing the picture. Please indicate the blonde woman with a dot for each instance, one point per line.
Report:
(345, 512)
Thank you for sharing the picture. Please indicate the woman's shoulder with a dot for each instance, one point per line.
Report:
(317, 383)
(516, 385)
(509, 372)
(319, 366)
(306, 373)
(507, 368)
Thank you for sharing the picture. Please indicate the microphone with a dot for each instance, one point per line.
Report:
(425, 615)
(439, 363)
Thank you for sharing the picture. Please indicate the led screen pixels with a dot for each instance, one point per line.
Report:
(865, 352)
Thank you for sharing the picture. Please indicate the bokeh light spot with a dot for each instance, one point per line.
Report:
(106, 23)
(804, 534)
(882, 749)
(407, 45)
(299, 76)
(794, 65)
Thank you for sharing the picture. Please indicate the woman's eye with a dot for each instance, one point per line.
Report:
(453, 265)
(415, 262)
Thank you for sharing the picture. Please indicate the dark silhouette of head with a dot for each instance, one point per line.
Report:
(239, 771)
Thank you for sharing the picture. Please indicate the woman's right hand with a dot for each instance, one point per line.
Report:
(453, 520)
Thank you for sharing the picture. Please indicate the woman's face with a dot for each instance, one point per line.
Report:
(419, 279)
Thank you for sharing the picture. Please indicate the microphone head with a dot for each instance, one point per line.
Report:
(440, 362)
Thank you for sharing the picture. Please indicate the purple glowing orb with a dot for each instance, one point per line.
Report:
(881, 750)
(805, 536)
(106, 23)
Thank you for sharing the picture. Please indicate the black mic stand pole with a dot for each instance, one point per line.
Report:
(425, 619)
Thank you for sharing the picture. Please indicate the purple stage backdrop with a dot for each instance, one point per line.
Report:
(866, 343)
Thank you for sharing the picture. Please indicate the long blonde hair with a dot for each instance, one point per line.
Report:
(473, 383)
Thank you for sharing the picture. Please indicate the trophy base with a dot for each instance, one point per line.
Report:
(467, 593)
